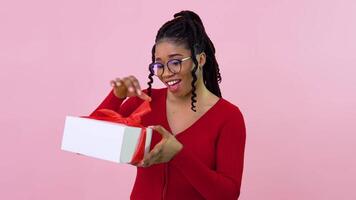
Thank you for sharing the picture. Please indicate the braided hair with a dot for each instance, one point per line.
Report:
(187, 28)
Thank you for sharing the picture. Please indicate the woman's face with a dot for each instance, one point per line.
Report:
(179, 84)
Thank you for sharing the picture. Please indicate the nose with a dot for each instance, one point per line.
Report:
(167, 72)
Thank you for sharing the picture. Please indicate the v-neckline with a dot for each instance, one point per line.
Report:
(192, 125)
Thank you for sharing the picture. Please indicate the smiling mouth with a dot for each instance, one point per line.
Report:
(173, 82)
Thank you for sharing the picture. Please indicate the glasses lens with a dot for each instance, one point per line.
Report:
(174, 65)
(157, 68)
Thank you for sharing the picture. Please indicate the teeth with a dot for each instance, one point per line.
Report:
(172, 82)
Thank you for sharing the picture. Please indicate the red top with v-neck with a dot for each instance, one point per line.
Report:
(209, 166)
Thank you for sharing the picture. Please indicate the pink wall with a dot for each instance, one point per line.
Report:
(288, 65)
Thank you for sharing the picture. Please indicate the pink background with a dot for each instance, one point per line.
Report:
(288, 65)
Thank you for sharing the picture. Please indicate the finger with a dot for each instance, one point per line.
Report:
(138, 91)
(161, 130)
(156, 152)
(119, 88)
(147, 164)
(145, 97)
(154, 156)
(151, 155)
(112, 83)
(140, 164)
(118, 82)
(136, 84)
(153, 160)
(129, 85)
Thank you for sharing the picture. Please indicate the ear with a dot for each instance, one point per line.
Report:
(201, 58)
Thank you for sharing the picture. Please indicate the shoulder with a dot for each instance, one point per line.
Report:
(232, 121)
(230, 114)
(229, 109)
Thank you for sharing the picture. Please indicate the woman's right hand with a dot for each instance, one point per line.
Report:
(128, 87)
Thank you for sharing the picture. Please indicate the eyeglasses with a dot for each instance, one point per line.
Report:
(173, 65)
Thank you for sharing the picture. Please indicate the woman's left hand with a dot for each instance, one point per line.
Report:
(164, 151)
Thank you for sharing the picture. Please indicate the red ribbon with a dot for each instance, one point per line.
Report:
(132, 120)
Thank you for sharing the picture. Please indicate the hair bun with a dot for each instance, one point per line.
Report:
(189, 15)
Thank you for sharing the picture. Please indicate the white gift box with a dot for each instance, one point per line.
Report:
(102, 139)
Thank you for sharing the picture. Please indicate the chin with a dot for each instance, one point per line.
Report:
(181, 89)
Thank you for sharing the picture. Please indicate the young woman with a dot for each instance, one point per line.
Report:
(197, 149)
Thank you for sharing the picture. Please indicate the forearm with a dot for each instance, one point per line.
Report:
(110, 102)
(210, 184)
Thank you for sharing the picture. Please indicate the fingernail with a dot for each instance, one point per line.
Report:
(139, 164)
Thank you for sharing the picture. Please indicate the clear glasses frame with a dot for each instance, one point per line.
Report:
(173, 65)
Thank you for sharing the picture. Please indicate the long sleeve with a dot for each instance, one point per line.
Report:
(117, 104)
(225, 181)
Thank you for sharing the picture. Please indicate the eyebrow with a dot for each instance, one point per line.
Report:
(170, 56)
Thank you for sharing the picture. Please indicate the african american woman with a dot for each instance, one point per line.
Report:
(197, 149)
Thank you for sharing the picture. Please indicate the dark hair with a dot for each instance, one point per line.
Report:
(188, 29)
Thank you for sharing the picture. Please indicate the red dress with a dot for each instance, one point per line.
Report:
(209, 166)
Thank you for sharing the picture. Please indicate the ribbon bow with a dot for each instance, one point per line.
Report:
(134, 119)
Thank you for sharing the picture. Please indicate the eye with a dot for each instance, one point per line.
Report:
(174, 62)
(157, 65)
